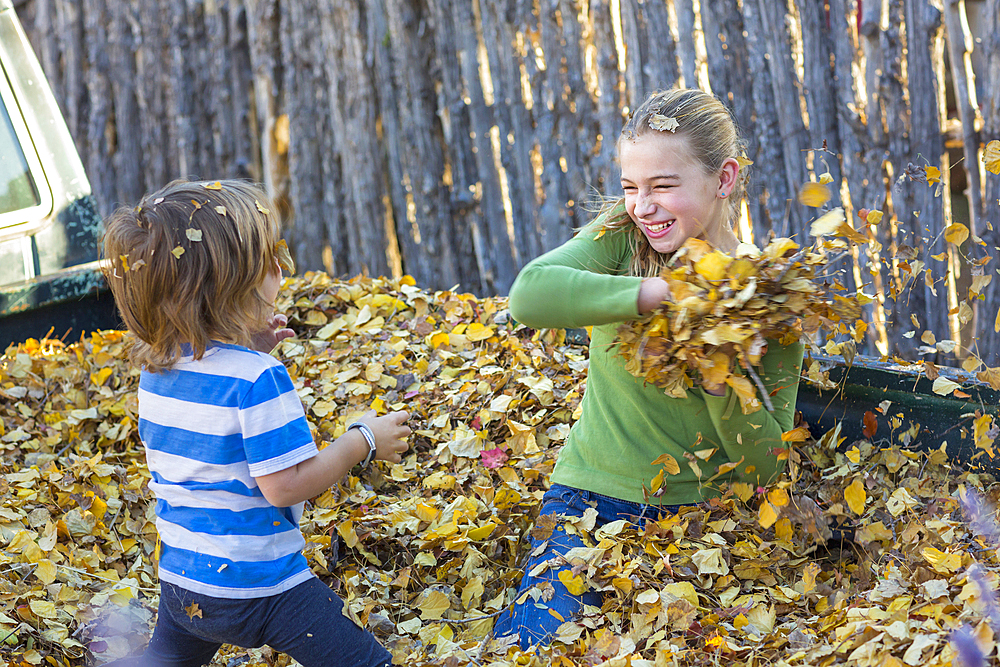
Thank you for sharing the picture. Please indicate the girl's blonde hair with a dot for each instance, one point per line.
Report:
(713, 137)
(186, 266)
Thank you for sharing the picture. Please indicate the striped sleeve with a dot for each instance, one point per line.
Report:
(276, 434)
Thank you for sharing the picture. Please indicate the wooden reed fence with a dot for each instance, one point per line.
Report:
(454, 140)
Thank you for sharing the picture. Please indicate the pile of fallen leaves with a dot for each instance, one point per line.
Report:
(426, 552)
(725, 307)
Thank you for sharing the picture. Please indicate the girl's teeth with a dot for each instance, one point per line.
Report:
(658, 228)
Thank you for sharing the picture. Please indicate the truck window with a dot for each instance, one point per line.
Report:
(17, 187)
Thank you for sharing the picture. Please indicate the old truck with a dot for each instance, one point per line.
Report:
(50, 282)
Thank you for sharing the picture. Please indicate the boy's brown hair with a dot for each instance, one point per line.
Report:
(185, 267)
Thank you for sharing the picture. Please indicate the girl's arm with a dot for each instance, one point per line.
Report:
(756, 437)
(577, 284)
(313, 476)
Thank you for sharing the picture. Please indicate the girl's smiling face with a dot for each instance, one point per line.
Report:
(669, 194)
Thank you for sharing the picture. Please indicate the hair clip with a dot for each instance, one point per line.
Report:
(663, 123)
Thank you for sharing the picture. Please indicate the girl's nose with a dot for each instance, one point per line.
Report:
(643, 204)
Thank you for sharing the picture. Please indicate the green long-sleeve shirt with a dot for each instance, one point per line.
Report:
(625, 423)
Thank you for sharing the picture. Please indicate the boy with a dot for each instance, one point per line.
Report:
(194, 270)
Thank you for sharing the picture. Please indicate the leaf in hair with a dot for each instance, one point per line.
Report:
(221, 210)
(193, 234)
(283, 256)
(664, 123)
(177, 252)
(214, 186)
(261, 208)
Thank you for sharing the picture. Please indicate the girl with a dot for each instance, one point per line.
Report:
(681, 179)
(194, 270)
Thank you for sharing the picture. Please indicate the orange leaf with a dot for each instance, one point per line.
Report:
(870, 424)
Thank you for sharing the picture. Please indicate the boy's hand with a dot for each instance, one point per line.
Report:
(273, 333)
(390, 433)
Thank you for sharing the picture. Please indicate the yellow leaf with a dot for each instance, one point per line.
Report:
(657, 482)
(101, 376)
(855, 496)
(477, 332)
(669, 464)
(766, 516)
(433, 604)
(177, 252)
(943, 386)
(439, 339)
(814, 194)
(46, 571)
(971, 364)
(797, 434)
(982, 428)
(828, 223)
(346, 530)
(482, 532)
(260, 207)
(214, 186)
(933, 175)
(221, 210)
(683, 590)
(193, 234)
(991, 156)
(778, 497)
(43, 608)
(573, 583)
(713, 266)
(710, 561)
(853, 455)
(809, 577)
(942, 561)
(874, 217)
(284, 256)
(956, 233)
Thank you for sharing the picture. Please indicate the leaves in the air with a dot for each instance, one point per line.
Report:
(722, 311)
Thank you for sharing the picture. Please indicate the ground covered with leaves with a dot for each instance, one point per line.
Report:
(427, 552)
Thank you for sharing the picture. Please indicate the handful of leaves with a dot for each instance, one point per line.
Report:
(724, 308)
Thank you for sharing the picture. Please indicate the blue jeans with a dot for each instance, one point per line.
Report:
(533, 622)
(306, 623)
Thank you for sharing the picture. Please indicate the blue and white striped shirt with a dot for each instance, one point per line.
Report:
(210, 427)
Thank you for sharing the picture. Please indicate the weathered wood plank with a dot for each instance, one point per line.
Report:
(921, 213)
(305, 88)
(964, 80)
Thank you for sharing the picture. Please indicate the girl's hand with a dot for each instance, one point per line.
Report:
(390, 433)
(273, 333)
(652, 293)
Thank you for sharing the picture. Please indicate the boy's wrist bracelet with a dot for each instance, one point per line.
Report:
(369, 438)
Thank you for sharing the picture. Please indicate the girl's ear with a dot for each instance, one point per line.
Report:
(727, 176)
